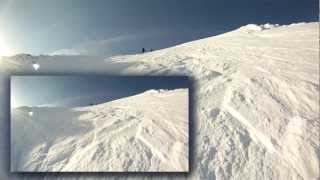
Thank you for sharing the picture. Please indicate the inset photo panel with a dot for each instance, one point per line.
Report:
(99, 123)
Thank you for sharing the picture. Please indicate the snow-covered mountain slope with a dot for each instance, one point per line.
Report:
(256, 101)
(145, 132)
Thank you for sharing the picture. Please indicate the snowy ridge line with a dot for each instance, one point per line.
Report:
(151, 91)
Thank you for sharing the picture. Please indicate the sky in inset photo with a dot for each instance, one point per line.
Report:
(73, 91)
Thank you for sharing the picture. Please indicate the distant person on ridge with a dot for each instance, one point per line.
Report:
(143, 50)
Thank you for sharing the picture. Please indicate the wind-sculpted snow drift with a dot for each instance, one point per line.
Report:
(145, 132)
(256, 101)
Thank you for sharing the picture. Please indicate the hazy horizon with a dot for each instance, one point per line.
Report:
(76, 91)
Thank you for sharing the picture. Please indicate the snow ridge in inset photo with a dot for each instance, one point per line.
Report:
(140, 130)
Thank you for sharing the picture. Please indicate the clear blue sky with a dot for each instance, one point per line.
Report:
(125, 26)
(83, 90)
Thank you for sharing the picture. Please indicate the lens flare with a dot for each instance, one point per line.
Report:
(4, 49)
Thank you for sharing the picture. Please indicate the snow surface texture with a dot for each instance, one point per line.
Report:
(256, 102)
(145, 132)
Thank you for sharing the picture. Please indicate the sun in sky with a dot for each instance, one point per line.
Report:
(15, 102)
(4, 49)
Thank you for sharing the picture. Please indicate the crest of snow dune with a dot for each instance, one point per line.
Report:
(157, 91)
(255, 27)
(269, 26)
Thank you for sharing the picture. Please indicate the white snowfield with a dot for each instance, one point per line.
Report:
(256, 100)
(145, 132)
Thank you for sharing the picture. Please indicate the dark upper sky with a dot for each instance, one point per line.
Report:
(84, 90)
(125, 26)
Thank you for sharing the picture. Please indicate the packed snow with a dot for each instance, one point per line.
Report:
(36, 66)
(255, 101)
(146, 132)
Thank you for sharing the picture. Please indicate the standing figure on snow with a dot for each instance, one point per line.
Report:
(143, 50)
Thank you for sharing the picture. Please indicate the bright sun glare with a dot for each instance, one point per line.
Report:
(14, 103)
(4, 49)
